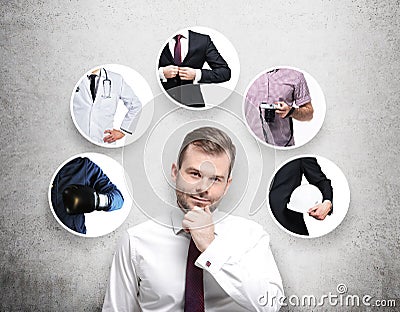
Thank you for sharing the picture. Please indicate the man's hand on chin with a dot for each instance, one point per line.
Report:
(200, 224)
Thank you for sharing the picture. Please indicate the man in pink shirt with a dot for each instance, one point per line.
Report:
(286, 89)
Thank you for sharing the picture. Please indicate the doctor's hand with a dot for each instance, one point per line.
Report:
(113, 135)
(170, 71)
(283, 109)
(187, 73)
(200, 224)
(320, 211)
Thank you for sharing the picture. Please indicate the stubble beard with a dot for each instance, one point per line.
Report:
(184, 205)
(182, 202)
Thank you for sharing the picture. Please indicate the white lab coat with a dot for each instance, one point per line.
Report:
(93, 118)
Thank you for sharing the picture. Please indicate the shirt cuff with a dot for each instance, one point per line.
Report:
(161, 74)
(126, 131)
(214, 257)
(197, 78)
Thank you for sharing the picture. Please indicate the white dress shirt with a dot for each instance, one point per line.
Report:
(184, 51)
(93, 118)
(149, 267)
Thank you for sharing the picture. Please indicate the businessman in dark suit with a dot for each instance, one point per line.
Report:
(181, 67)
(286, 180)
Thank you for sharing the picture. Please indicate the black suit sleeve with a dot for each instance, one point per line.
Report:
(220, 71)
(314, 175)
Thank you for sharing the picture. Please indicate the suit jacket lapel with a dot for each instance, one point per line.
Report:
(190, 48)
(100, 86)
(86, 89)
(168, 55)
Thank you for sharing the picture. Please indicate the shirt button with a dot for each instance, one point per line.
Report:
(208, 263)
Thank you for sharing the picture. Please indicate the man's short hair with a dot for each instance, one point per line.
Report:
(212, 141)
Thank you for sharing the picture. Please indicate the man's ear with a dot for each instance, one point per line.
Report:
(174, 172)
(228, 184)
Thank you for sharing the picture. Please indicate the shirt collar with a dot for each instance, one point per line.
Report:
(100, 73)
(273, 70)
(90, 74)
(176, 220)
(177, 217)
(184, 33)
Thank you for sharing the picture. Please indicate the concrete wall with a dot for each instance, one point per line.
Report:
(350, 47)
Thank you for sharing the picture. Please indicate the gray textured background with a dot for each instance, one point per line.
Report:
(350, 47)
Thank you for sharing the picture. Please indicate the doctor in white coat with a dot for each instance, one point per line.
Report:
(95, 102)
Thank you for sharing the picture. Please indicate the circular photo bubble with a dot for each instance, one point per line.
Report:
(89, 195)
(308, 196)
(112, 105)
(192, 63)
(284, 107)
(179, 173)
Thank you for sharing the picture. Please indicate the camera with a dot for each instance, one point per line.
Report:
(269, 111)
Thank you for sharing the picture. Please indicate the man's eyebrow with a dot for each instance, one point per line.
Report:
(192, 168)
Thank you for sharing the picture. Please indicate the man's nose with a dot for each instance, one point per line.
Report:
(203, 185)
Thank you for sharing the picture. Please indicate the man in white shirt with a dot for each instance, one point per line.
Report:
(196, 264)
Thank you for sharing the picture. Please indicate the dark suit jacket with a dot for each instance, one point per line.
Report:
(286, 180)
(200, 50)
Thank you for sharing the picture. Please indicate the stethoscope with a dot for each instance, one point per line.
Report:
(106, 86)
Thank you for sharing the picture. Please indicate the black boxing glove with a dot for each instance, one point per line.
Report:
(83, 199)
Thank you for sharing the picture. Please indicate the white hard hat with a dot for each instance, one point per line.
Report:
(304, 197)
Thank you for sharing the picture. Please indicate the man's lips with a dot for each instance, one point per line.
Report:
(200, 200)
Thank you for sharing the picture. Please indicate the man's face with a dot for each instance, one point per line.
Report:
(202, 179)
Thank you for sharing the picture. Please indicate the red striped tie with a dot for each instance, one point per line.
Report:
(194, 290)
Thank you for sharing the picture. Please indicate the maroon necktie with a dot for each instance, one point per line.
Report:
(194, 290)
(177, 50)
